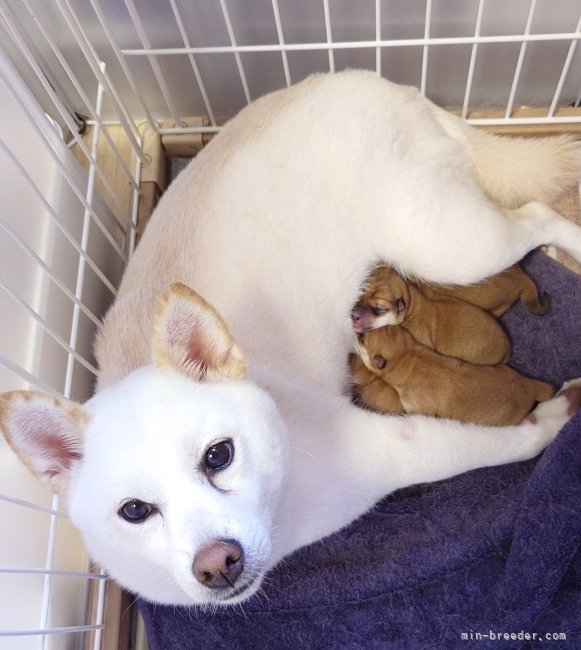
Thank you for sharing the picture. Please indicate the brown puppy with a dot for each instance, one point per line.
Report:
(432, 384)
(497, 294)
(447, 325)
(369, 390)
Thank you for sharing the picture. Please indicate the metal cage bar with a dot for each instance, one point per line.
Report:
(75, 224)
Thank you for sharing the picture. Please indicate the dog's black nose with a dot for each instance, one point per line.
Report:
(219, 564)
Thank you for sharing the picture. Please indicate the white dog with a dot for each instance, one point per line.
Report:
(213, 448)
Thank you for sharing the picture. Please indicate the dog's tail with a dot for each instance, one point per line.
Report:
(516, 170)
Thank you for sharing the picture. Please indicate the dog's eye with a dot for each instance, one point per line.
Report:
(378, 311)
(135, 511)
(219, 456)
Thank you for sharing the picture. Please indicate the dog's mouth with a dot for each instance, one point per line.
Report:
(361, 319)
(237, 592)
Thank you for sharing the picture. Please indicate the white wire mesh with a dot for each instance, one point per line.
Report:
(489, 54)
(62, 250)
(181, 58)
(65, 234)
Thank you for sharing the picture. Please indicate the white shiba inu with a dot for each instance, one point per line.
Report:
(220, 438)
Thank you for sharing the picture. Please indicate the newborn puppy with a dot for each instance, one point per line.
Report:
(432, 384)
(369, 390)
(497, 294)
(447, 325)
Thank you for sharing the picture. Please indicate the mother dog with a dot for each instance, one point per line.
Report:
(220, 438)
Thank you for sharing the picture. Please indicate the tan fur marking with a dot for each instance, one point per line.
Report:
(189, 335)
(74, 413)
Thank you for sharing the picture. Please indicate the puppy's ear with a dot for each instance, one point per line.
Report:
(379, 362)
(46, 433)
(190, 336)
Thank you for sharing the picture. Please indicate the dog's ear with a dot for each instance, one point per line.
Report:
(400, 305)
(379, 362)
(189, 335)
(46, 433)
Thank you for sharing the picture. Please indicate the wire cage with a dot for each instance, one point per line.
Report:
(96, 95)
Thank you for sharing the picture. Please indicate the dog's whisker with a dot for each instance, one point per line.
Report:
(302, 451)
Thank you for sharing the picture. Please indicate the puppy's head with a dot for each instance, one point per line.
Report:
(384, 301)
(378, 347)
(173, 474)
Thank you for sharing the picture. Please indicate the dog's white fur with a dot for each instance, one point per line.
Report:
(277, 224)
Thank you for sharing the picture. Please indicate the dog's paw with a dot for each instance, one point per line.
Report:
(551, 416)
(572, 391)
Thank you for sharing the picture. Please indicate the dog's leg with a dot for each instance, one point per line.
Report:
(544, 226)
(416, 449)
(463, 251)
(357, 457)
